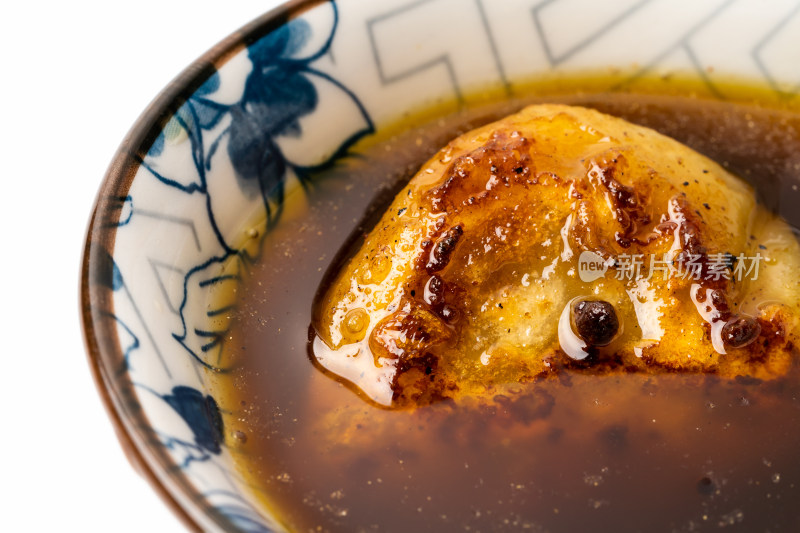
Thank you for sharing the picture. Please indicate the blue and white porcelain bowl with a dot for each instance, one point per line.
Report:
(209, 163)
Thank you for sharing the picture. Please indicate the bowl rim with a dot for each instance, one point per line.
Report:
(100, 338)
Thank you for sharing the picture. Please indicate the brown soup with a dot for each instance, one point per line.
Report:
(581, 453)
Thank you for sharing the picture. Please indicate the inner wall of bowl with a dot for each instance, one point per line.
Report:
(212, 184)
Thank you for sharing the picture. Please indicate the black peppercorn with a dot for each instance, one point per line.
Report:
(595, 321)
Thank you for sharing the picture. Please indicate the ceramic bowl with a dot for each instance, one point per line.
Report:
(206, 167)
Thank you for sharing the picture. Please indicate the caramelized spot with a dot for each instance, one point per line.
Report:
(740, 332)
(434, 291)
(442, 249)
(418, 381)
(585, 230)
(502, 161)
(625, 201)
(408, 333)
(688, 235)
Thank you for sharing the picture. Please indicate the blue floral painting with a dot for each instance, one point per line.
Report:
(283, 90)
(278, 93)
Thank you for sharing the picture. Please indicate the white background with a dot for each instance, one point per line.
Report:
(75, 76)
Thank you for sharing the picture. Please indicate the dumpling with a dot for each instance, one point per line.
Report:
(560, 239)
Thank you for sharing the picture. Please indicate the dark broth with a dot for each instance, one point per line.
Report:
(582, 453)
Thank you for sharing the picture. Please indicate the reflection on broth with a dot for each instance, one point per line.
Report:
(596, 442)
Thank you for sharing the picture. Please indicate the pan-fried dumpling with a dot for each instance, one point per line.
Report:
(560, 239)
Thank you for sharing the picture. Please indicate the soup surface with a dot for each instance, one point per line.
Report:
(622, 452)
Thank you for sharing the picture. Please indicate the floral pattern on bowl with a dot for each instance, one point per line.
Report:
(204, 175)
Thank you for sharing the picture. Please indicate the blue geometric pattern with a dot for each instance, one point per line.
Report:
(295, 101)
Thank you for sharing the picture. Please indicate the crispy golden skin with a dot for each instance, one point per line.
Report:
(460, 288)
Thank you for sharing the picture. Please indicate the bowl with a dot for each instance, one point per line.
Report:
(203, 174)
